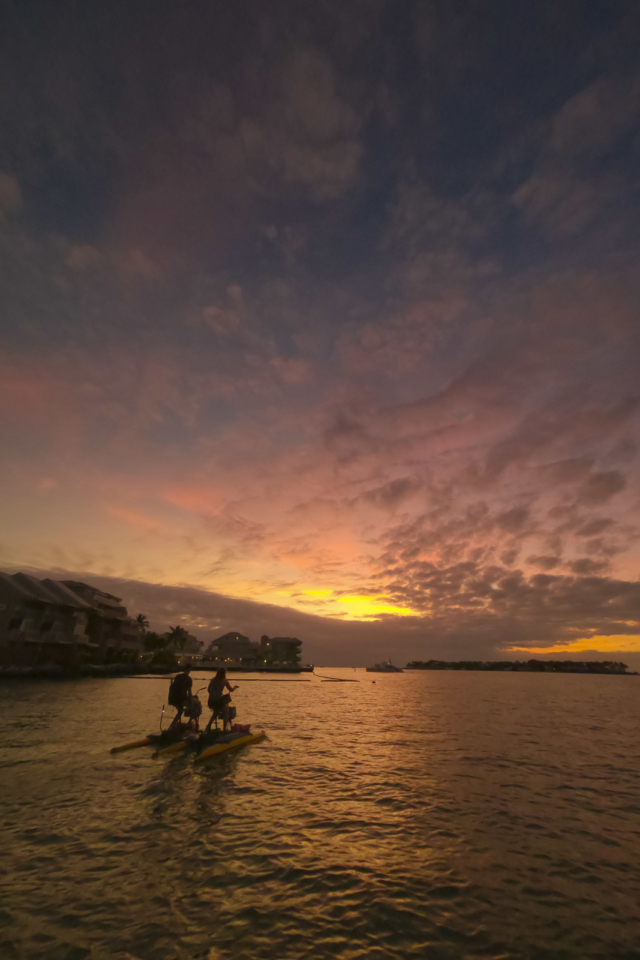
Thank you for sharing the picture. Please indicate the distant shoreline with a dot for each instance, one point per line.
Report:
(112, 671)
(599, 667)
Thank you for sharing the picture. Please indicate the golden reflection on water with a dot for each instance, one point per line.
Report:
(425, 814)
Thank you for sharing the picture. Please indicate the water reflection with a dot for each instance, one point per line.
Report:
(439, 814)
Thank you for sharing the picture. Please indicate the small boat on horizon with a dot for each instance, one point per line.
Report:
(385, 667)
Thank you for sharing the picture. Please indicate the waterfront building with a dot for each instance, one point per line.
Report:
(40, 620)
(50, 621)
(109, 623)
(234, 648)
(280, 650)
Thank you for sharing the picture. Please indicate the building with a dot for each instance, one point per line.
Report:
(109, 623)
(41, 621)
(280, 650)
(238, 649)
(235, 647)
(50, 621)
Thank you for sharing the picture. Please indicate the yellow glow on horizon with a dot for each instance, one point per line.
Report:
(317, 593)
(369, 608)
(622, 643)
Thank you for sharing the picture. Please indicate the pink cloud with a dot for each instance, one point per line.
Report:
(202, 499)
(140, 521)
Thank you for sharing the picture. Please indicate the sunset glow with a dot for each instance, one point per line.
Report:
(328, 347)
(619, 644)
(370, 608)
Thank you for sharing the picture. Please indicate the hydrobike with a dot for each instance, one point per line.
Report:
(173, 734)
(158, 740)
(210, 744)
(186, 736)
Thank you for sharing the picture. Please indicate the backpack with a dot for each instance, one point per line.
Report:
(193, 709)
(174, 695)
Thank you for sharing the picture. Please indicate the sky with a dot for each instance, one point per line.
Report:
(322, 318)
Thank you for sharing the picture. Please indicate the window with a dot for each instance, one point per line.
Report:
(15, 623)
(46, 626)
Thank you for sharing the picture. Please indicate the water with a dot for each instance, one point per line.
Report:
(427, 815)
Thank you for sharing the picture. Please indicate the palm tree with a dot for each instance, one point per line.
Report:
(178, 637)
(142, 621)
(154, 641)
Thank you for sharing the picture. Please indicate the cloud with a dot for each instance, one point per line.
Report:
(596, 117)
(391, 494)
(292, 370)
(595, 526)
(568, 189)
(209, 615)
(560, 200)
(601, 487)
(227, 153)
(470, 635)
(546, 563)
(566, 471)
(10, 194)
(399, 344)
(135, 518)
(330, 310)
(586, 567)
(514, 520)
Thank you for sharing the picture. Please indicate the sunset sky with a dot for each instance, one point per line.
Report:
(322, 318)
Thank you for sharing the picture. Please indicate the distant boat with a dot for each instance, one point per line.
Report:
(385, 667)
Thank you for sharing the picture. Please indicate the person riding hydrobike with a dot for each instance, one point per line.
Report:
(180, 694)
(219, 700)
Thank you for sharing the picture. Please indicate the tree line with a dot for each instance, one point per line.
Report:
(526, 666)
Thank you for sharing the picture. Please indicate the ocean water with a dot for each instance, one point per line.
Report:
(426, 815)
